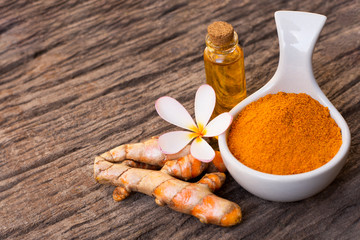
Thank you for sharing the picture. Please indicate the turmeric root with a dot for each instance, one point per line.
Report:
(147, 152)
(120, 193)
(213, 181)
(135, 164)
(196, 199)
(150, 154)
(185, 168)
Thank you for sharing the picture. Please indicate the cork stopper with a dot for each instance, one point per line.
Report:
(220, 33)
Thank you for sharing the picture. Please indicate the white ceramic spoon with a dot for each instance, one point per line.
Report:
(298, 33)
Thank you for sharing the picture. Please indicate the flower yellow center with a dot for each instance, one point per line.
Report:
(201, 129)
(198, 131)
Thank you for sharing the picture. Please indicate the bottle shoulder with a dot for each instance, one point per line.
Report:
(223, 57)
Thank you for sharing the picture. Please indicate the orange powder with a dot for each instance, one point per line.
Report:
(284, 133)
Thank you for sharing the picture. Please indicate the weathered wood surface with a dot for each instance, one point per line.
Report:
(80, 77)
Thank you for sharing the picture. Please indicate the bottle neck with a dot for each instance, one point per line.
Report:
(223, 49)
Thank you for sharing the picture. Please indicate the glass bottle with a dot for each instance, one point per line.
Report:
(224, 66)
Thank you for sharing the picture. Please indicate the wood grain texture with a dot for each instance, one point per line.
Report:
(78, 78)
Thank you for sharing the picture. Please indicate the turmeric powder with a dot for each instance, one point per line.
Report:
(284, 133)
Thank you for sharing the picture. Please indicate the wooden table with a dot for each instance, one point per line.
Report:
(78, 78)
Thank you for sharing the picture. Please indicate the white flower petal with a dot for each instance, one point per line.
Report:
(218, 125)
(173, 142)
(205, 99)
(173, 112)
(201, 150)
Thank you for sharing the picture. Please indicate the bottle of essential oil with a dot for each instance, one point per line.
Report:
(224, 66)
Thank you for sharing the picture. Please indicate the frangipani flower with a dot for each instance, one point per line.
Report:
(173, 112)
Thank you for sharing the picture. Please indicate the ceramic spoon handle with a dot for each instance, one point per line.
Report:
(298, 33)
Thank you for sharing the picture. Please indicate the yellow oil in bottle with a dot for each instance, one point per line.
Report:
(224, 69)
